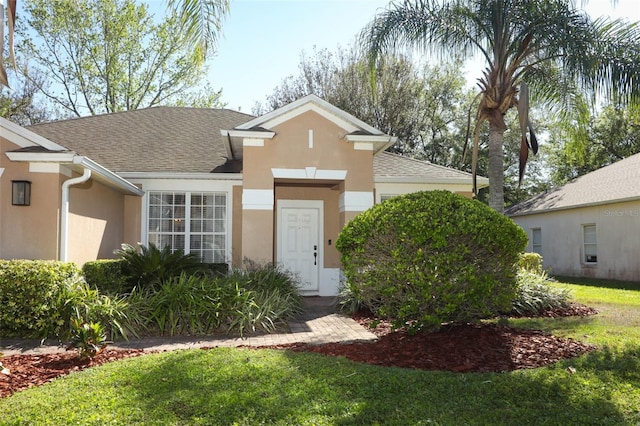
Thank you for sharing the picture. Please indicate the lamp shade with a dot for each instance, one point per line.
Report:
(21, 193)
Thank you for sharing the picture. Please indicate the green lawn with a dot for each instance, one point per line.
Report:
(249, 387)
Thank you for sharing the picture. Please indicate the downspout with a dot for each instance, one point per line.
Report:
(64, 211)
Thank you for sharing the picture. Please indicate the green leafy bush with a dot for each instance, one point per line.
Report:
(426, 258)
(150, 266)
(531, 262)
(262, 297)
(30, 295)
(40, 298)
(535, 296)
(107, 276)
(245, 300)
(87, 338)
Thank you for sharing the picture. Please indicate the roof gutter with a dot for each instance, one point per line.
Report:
(64, 211)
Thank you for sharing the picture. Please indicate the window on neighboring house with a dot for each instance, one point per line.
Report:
(536, 240)
(590, 243)
(193, 222)
(386, 197)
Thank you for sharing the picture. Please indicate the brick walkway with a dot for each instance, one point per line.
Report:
(318, 324)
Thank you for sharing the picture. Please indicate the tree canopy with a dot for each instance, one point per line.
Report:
(107, 56)
(548, 45)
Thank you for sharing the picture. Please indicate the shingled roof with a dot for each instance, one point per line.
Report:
(617, 182)
(158, 139)
(388, 167)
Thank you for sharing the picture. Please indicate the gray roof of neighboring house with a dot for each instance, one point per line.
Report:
(393, 167)
(158, 139)
(617, 182)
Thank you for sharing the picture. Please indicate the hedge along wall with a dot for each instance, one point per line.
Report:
(31, 292)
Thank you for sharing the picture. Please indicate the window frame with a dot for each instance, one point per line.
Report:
(188, 217)
(536, 248)
(585, 244)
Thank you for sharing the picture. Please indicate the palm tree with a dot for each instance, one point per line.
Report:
(524, 43)
(201, 20)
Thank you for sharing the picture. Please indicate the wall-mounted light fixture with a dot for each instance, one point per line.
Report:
(21, 192)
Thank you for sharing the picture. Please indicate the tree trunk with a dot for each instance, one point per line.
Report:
(496, 168)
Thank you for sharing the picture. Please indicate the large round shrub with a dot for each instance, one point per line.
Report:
(431, 257)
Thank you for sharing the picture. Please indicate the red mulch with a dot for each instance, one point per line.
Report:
(33, 370)
(463, 348)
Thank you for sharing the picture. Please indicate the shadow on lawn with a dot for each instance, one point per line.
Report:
(227, 386)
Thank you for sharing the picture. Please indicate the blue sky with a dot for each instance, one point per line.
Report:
(263, 40)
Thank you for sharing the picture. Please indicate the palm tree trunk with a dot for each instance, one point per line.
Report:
(496, 168)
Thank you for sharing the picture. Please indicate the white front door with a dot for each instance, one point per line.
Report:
(299, 241)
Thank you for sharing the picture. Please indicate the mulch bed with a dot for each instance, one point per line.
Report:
(461, 348)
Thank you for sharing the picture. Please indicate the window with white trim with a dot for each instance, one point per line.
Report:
(193, 222)
(590, 243)
(536, 240)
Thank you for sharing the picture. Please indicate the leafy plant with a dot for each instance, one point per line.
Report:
(534, 295)
(87, 338)
(430, 257)
(29, 295)
(107, 276)
(151, 266)
(531, 262)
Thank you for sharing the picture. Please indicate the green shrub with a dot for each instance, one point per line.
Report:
(107, 276)
(87, 338)
(30, 295)
(150, 266)
(531, 262)
(40, 298)
(535, 296)
(426, 258)
(262, 298)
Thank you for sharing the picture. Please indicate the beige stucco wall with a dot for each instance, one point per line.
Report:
(28, 232)
(331, 225)
(290, 149)
(96, 222)
(236, 223)
(617, 234)
(132, 220)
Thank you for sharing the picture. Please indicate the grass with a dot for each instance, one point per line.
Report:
(248, 387)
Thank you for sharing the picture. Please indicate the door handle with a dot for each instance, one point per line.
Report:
(315, 258)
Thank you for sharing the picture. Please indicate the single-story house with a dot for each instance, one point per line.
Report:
(589, 227)
(223, 184)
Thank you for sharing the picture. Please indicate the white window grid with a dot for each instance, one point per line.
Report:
(202, 231)
(590, 243)
(536, 240)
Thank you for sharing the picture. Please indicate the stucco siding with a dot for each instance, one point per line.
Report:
(28, 232)
(96, 222)
(562, 244)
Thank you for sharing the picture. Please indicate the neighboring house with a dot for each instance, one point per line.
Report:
(219, 183)
(589, 227)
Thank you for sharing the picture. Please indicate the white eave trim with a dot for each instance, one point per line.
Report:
(484, 182)
(251, 134)
(25, 138)
(181, 175)
(108, 175)
(575, 206)
(314, 103)
(42, 157)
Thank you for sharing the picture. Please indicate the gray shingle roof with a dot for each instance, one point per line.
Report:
(158, 139)
(619, 181)
(388, 166)
(188, 140)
